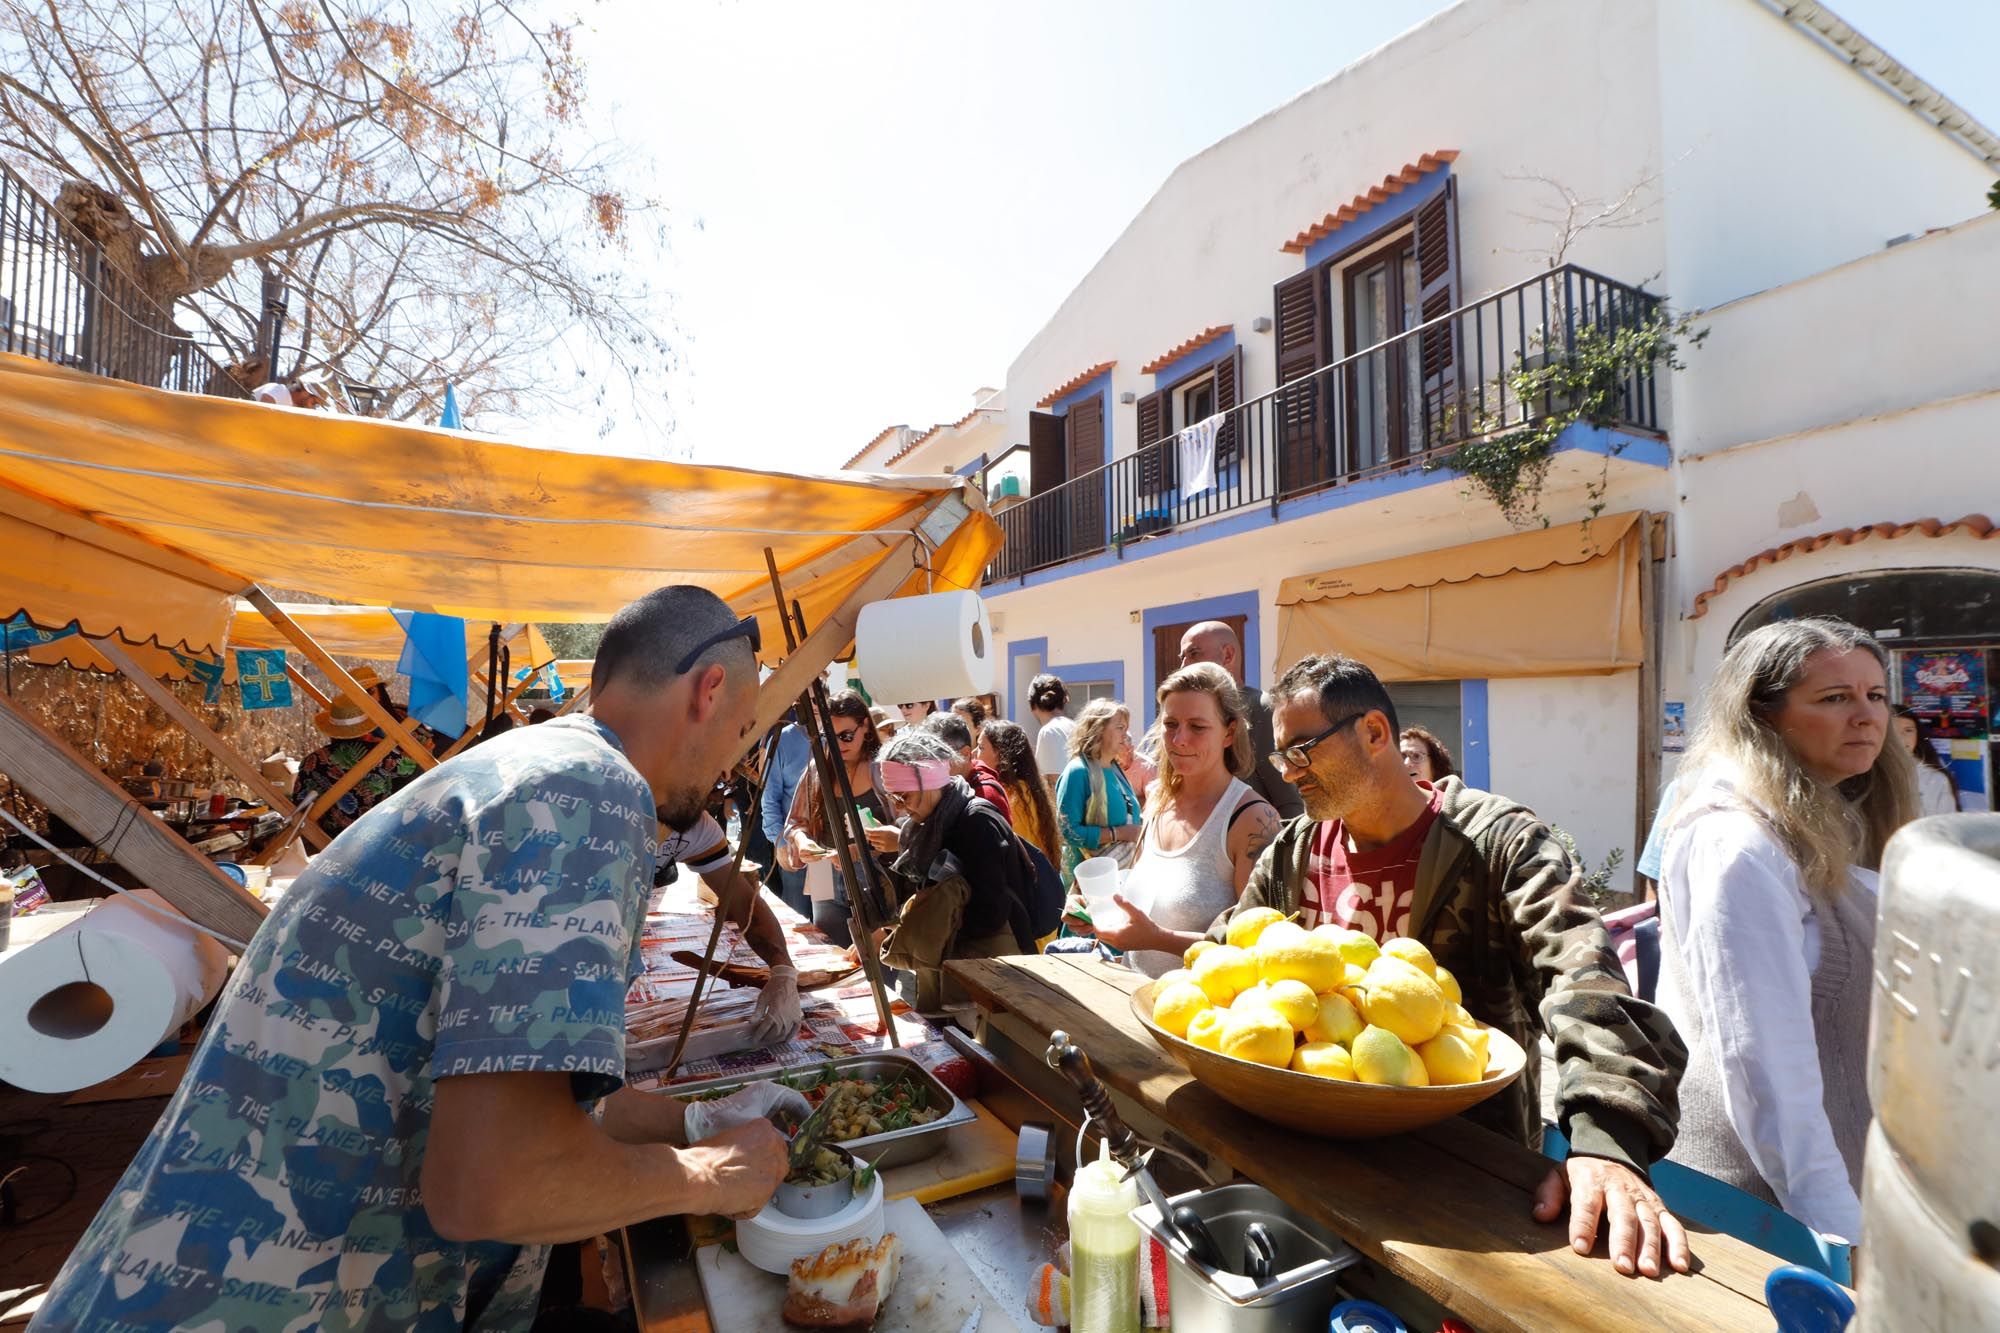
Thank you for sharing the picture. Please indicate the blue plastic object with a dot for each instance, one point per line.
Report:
(1363, 1317)
(1695, 1197)
(1803, 1301)
(234, 871)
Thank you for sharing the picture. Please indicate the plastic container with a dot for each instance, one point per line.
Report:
(1096, 881)
(1103, 1248)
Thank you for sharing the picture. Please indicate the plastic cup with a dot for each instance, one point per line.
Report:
(1096, 881)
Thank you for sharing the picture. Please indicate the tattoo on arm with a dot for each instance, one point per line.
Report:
(1263, 831)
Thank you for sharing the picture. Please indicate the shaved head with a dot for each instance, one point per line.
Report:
(645, 642)
(1213, 641)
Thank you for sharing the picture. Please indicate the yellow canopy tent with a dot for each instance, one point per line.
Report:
(1555, 602)
(143, 515)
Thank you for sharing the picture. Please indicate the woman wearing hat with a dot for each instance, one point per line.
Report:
(353, 735)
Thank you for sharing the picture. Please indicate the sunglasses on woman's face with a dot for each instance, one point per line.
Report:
(846, 734)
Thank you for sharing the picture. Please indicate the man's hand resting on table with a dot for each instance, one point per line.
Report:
(1603, 1191)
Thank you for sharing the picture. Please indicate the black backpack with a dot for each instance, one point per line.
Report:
(1039, 885)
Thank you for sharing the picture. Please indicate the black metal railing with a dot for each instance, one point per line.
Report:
(1401, 403)
(62, 301)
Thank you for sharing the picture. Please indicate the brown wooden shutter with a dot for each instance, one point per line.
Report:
(1300, 303)
(1437, 296)
(1048, 468)
(1228, 374)
(1158, 470)
(1086, 464)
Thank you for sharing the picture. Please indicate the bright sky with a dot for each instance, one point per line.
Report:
(875, 205)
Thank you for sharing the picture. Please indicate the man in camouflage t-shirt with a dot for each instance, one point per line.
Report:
(396, 1106)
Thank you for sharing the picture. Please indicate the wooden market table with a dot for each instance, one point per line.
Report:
(1446, 1209)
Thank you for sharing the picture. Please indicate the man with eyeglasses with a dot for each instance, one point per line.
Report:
(1498, 900)
(414, 1084)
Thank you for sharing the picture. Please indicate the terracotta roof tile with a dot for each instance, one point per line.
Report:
(1075, 382)
(1979, 525)
(885, 433)
(1173, 354)
(943, 426)
(1392, 184)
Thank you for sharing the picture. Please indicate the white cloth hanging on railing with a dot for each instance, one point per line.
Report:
(1196, 447)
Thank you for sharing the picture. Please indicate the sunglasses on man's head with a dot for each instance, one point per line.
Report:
(745, 628)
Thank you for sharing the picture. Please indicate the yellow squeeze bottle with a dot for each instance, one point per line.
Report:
(1103, 1248)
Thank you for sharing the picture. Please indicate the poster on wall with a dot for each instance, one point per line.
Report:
(1947, 689)
(1674, 728)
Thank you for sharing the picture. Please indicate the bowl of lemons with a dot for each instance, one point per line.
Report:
(1324, 1031)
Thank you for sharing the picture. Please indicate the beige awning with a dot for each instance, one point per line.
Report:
(1556, 602)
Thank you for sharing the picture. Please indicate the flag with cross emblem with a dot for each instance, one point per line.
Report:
(260, 674)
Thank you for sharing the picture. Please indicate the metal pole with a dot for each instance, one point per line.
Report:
(817, 720)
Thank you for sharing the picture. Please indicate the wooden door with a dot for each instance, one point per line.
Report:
(1303, 446)
(1048, 523)
(1087, 523)
(1167, 644)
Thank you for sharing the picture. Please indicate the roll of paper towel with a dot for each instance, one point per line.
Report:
(927, 647)
(93, 998)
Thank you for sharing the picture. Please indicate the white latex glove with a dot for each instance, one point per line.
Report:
(776, 1017)
(754, 1101)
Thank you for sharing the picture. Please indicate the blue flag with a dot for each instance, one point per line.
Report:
(449, 418)
(552, 683)
(434, 660)
(21, 634)
(260, 675)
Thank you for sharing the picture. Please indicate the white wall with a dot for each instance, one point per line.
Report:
(1782, 160)
(1567, 747)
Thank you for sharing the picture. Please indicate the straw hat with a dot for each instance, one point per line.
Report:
(344, 721)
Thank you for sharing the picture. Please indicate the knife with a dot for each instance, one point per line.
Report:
(811, 1132)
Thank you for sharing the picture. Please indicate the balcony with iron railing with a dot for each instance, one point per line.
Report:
(62, 301)
(1401, 404)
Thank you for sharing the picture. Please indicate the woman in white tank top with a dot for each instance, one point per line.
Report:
(1204, 829)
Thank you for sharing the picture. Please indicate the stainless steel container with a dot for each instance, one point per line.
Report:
(816, 1201)
(892, 1147)
(1298, 1295)
(1930, 1182)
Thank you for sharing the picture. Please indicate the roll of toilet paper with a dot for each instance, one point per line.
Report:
(927, 647)
(93, 998)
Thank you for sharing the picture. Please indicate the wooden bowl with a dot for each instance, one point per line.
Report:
(1328, 1108)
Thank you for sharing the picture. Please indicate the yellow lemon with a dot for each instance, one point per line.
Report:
(1412, 952)
(1478, 1038)
(1287, 953)
(1324, 1059)
(1398, 997)
(1448, 984)
(1337, 1020)
(1294, 1002)
(1257, 996)
(1380, 1056)
(1166, 979)
(1260, 1036)
(1246, 926)
(1450, 1058)
(1354, 946)
(1175, 1006)
(1196, 950)
(1206, 1028)
(1458, 1015)
(1225, 972)
(1353, 976)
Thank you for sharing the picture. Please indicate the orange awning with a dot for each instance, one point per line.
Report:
(1556, 602)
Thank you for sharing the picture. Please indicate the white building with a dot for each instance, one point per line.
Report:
(1356, 280)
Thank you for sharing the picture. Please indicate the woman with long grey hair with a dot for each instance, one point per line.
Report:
(1767, 906)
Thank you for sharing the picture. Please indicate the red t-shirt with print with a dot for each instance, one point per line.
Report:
(1365, 891)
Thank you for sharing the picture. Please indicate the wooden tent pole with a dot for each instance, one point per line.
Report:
(471, 734)
(342, 681)
(75, 792)
(304, 682)
(114, 652)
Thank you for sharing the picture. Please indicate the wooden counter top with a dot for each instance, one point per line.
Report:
(1445, 1209)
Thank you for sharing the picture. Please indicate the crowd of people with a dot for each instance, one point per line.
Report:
(1310, 798)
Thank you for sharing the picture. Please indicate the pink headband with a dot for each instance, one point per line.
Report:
(924, 775)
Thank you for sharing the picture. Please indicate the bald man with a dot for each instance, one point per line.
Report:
(1213, 641)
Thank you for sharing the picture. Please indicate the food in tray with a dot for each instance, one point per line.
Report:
(861, 1106)
(844, 1285)
(1327, 1002)
(822, 1167)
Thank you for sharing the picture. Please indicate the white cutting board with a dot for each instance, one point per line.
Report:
(742, 1297)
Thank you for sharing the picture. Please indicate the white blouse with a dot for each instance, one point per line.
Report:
(1750, 942)
(1934, 791)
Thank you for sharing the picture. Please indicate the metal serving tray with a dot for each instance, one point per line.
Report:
(890, 1148)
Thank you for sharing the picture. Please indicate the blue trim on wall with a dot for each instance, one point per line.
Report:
(1076, 673)
(1584, 438)
(1476, 763)
(972, 467)
(1198, 359)
(1207, 608)
(1386, 214)
(1017, 700)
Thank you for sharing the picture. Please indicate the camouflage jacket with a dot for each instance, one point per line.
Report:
(1500, 902)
